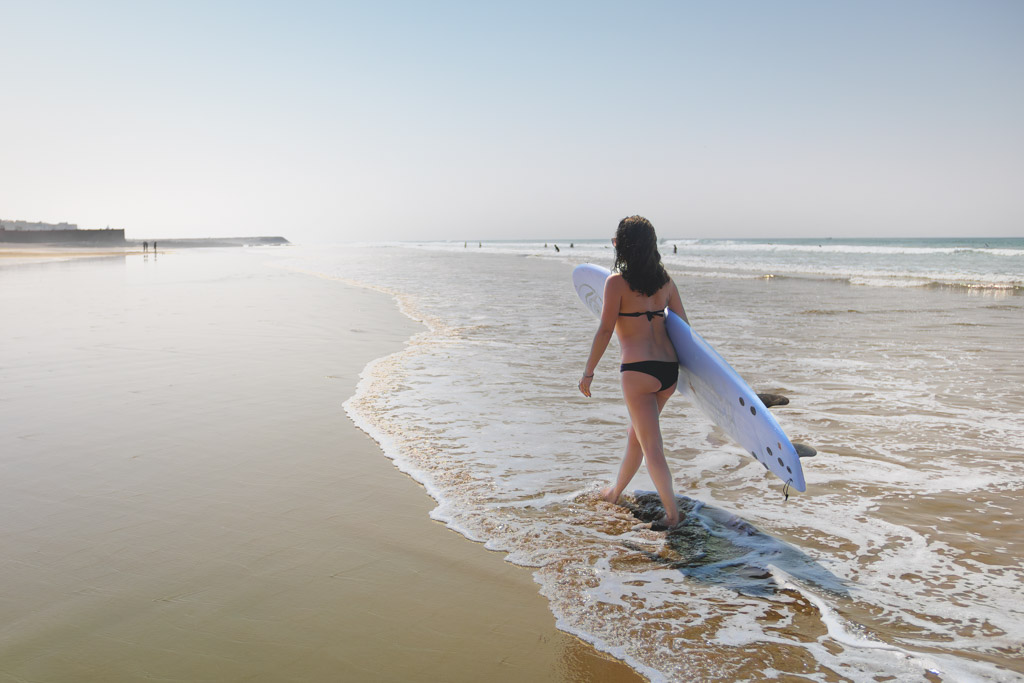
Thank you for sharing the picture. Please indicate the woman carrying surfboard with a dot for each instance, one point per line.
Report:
(635, 299)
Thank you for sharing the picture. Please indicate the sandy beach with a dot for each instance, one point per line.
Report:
(184, 498)
(15, 254)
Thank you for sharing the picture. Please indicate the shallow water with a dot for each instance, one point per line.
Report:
(902, 559)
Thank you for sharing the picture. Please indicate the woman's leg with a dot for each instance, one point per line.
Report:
(634, 455)
(627, 470)
(645, 402)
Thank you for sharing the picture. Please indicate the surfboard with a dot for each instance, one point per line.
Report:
(714, 386)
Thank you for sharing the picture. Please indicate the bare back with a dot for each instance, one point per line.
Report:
(642, 337)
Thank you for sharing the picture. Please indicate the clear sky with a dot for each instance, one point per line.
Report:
(337, 121)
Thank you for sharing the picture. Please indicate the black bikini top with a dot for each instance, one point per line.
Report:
(650, 314)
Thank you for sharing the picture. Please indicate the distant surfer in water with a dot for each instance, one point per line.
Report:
(635, 299)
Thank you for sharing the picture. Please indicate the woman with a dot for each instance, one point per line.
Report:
(635, 299)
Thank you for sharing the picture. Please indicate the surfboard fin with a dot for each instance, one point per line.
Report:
(772, 400)
(803, 450)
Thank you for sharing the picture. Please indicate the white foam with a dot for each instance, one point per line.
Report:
(874, 265)
(927, 663)
(522, 450)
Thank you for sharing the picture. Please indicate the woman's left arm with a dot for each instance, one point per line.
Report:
(675, 303)
(605, 329)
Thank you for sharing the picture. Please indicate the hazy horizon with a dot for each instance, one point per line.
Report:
(335, 123)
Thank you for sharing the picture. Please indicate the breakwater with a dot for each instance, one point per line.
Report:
(187, 242)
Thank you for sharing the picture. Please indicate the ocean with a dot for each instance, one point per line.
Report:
(903, 365)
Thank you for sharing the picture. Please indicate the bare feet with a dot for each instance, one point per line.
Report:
(664, 524)
(607, 495)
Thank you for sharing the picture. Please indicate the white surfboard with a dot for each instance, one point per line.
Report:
(718, 389)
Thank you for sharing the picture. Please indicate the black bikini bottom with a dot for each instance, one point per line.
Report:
(665, 371)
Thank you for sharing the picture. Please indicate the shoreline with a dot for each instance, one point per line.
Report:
(13, 255)
(485, 418)
(17, 253)
(187, 498)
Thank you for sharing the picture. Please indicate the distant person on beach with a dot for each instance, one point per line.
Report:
(145, 247)
(635, 298)
(154, 246)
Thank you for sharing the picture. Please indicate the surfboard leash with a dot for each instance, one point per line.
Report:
(785, 490)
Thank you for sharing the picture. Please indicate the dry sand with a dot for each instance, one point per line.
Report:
(183, 498)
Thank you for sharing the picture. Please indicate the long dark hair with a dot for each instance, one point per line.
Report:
(637, 257)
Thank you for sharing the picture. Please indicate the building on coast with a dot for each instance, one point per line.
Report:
(36, 226)
(29, 232)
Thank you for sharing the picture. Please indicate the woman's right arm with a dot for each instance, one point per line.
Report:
(605, 329)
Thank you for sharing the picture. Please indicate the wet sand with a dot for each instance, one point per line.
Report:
(12, 254)
(184, 498)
